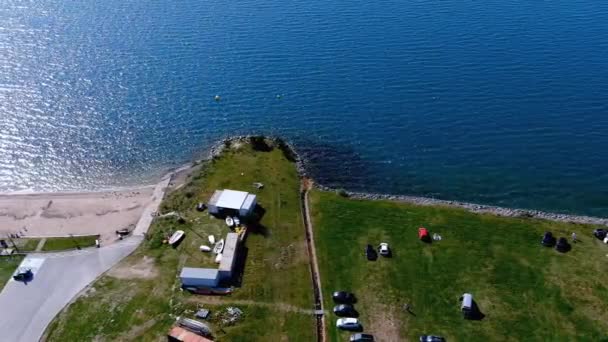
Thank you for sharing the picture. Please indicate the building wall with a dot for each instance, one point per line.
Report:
(199, 282)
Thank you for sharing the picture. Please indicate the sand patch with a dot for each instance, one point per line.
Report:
(144, 268)
(386, 322)
(61, 214)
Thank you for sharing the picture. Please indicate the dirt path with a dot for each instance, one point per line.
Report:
(314, 266)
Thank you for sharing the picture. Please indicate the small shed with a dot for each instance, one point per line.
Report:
(199, 277)
(229, 256)
(232, 202)
(467, 305)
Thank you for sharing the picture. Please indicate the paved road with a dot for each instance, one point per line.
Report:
(26, 310)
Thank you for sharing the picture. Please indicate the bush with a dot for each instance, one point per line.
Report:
(342, 192)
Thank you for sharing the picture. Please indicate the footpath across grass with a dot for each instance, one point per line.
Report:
(526, 291)
(140, 298)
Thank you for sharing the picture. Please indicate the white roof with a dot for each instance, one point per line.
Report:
(199, 273)
(229, 252)
(231, 199)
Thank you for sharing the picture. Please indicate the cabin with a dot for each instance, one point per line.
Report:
(229, 256)
(232, 203)
(199, 277)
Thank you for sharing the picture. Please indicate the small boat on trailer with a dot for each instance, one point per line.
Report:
(176, 237)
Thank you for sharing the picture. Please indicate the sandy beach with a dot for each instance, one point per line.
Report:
(60, 214)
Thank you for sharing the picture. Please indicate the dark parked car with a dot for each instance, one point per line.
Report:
(431, 338)
(548, 240)
(600, 233)
(345, 310)
(562, 245)
(344, 297)
(23, 274)
(371, 253)
(359, 337)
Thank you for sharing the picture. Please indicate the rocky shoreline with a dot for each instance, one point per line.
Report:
(301, 164)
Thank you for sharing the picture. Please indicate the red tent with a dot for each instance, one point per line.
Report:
(423, 234)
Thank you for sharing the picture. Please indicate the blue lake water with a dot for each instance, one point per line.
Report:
(499, 102)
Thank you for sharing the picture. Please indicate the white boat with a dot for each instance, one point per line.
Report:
(219, 247)
(218, 258)
(211, 239)
(229, 221)
(237, 221)
(176, 237)
(205, 248)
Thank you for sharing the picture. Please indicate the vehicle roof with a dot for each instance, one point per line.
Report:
(348, 320)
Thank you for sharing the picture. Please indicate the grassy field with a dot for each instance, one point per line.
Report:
(8, 265)
(65, 243)
(139, 299)
(527, 292)
(29, 245)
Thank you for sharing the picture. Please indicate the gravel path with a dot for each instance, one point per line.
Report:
(314, 266)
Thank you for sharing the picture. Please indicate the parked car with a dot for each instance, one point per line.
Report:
(384, 250)
(548, 240)
(370, 253)
(343, 297)
(345, 310)
(431, 338)
(423, 234)
(360, 337)
(348, 324)
(562, 245)
(600, 233)
(23, 274)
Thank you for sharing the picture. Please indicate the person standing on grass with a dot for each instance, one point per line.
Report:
(574, 237)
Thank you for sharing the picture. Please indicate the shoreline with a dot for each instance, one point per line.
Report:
(301, 166)
(179, 175)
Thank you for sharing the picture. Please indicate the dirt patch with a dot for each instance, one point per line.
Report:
(385, 321)
(144, 268)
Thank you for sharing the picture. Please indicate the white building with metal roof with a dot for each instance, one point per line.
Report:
(232, 202)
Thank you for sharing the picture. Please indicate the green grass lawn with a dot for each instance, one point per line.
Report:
(139, 299)
(8, 265)
(29, 245)
(65, 243)
(527, 292)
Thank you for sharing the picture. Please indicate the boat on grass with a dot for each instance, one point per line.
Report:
(176, 237)
(205, 248)
(229, 221)
(211, 239)
(219, 247)
(218, 258)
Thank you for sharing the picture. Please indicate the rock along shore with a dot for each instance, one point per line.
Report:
(301, 165)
